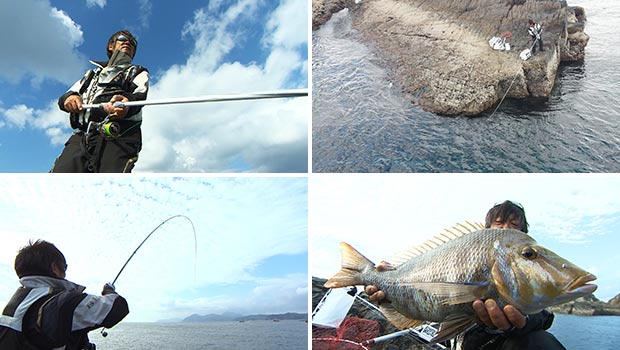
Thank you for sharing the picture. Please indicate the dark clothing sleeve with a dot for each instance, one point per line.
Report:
(119, 310)
(64, 318)
(536, 322)
(481, 337)
(63, 98)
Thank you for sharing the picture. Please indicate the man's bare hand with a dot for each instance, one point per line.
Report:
(73, 104)
(493, 316)
(116, 112)
(374, 293)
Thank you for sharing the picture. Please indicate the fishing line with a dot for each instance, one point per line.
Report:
(513, 81)
(103, 332)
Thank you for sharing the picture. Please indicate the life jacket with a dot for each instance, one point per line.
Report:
(25, 322)
(98, 85)
(12, 336)
(535, 30)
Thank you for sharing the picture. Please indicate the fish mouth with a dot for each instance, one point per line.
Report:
(580, 285)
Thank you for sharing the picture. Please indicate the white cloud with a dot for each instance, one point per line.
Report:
(288, 25)
(18, 115)
(239, 222)
(252, 136)
(92, 3)
(43, 43)
(145, 9)
(51, 120)
(274, 295)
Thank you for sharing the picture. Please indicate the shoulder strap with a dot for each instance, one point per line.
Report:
(12, 316)
(88, 77)
(133, 71)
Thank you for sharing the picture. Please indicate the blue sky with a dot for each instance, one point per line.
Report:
(191, 48)
(251, 231)
(576, 216)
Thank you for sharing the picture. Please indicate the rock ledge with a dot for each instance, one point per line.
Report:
(439, 54)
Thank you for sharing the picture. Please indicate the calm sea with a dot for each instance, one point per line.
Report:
(361, 123)
(249, 335)
(583, 332)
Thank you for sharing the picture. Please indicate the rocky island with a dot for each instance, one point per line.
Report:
(438, 51)
(590, 306)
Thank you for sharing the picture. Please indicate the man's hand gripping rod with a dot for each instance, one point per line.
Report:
(209, 98)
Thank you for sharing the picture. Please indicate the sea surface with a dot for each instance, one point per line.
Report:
(587, 332)
(361, 123)
(248, 335)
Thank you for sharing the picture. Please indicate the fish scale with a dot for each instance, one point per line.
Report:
(442, 264)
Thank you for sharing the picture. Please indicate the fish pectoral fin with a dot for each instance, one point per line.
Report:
(397, 319)
(454, 325)
(453, 293)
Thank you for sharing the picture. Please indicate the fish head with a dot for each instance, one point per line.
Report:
(531, 277)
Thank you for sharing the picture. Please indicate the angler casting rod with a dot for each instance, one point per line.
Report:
(208, 98)
(103, 332)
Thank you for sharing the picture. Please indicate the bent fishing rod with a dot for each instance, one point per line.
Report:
(103, 332)
(208, 98)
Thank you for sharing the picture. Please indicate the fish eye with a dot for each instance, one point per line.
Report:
(529, 253)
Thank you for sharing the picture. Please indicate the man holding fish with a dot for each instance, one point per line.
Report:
(480, 296)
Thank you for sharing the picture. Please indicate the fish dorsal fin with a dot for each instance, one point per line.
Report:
(445, 236)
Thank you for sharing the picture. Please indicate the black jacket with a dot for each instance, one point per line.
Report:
(48, 313)
(482, 338)
(118, 76)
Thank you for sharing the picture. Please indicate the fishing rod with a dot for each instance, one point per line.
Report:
(512, 82)
(103, 332)
(208, 98)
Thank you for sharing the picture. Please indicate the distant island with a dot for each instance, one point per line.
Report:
(590, 306)
(231, 316)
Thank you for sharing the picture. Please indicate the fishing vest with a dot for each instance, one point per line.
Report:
(99, 85)
(12, 332)
(14, 312)
(535, 30)
(12, 318)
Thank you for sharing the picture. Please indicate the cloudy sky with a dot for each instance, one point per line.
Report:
(191, 48)
(576, 216)
(251, 237)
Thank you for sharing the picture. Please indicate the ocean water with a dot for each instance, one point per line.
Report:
(585, 332)
(361, 123)
(249, 335)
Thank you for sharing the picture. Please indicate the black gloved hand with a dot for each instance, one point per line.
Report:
(108, 288)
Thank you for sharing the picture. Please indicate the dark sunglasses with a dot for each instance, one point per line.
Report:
(132, 41)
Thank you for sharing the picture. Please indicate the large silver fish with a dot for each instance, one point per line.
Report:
(441, 279)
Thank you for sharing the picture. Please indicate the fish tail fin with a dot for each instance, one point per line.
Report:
(352, 265)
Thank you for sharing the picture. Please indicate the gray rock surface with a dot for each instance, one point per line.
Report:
(590, 306)
(615, 301)
(322, 10)
(438, 51)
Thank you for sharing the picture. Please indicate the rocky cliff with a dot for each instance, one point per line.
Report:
(439, 54)
(590, 306)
